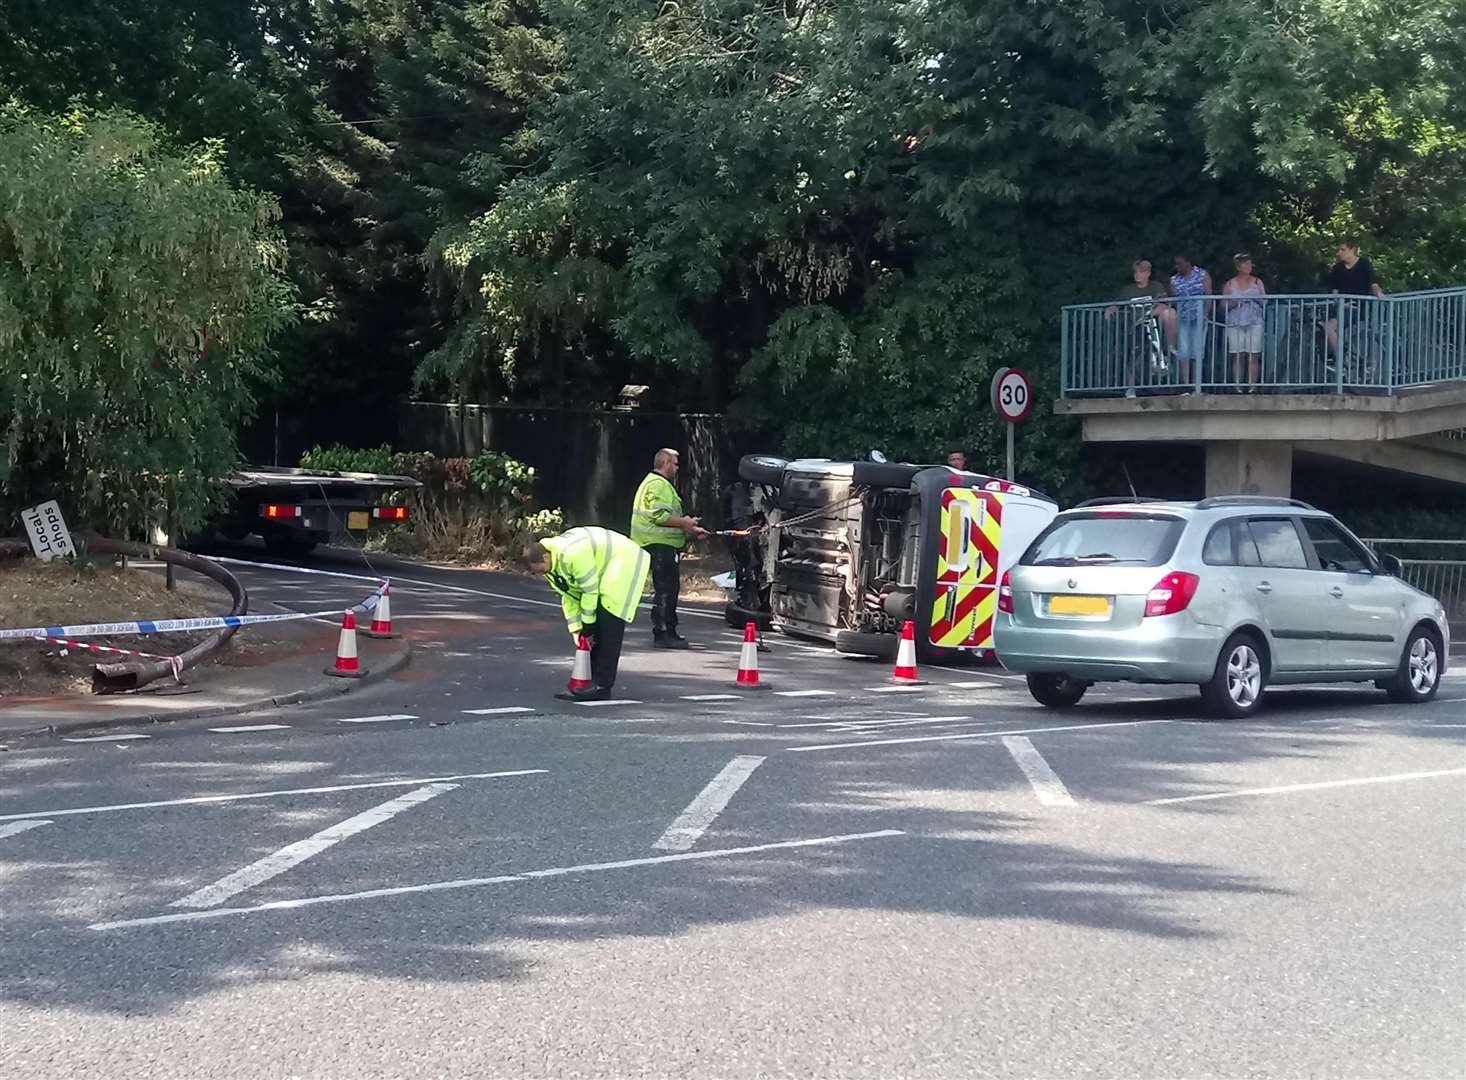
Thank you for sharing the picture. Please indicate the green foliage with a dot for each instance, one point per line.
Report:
(507, 484)
(340, 458)
(139, 294)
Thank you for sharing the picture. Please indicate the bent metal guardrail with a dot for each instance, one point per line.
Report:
(1308, 343)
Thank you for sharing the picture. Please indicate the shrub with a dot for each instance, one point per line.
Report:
(340, 458)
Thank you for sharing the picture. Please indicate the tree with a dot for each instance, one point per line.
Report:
(139, 294)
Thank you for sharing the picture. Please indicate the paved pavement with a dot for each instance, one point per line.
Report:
(452, 873)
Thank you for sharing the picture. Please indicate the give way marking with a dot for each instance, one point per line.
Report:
(278, 862)
(689, 825)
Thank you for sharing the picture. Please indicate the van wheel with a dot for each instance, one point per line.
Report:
(1419, 676)
(1056, 691)
(1235, 689)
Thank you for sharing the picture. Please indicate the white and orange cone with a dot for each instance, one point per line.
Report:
(748, 658)
(382, 616)
(580, 677)
(348, 663)
(906, 656)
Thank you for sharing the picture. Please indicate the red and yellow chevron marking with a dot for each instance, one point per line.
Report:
(967, 575)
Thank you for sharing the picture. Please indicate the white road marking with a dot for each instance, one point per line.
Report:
(709, 697)
(106, 738)
(607, 702)
(1003, 675)
(703, 810)
(1319, 786)
(749, 723)
(1046, 783)
(203, 800)
(276, 863)
(968, 686)
(804, 693)
(503, 879)
(899, 688)
(878, 726)
(973, 735)
(904, 718)
(10, 828)
(249, 727)
(375, 719)
(506, 710)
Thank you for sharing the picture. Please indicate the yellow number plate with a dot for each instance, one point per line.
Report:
(358, 519)
(1079, 605)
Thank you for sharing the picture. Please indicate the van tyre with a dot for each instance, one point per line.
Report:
(1419, 676)
(1056, 691)
(1235, 688)
(763, 469)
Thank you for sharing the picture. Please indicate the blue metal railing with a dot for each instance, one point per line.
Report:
(1308, 343)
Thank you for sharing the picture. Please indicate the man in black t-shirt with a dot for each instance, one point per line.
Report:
(1352, 275)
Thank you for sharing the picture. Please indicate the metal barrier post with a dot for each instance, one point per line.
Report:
(1064, 317)
(1339, 338)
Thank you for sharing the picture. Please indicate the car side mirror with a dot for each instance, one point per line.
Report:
(1392, 565)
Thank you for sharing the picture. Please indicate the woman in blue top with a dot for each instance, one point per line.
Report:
(1188, 281)
(1244, 323)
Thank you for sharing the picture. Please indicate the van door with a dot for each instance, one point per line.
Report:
(966, 600)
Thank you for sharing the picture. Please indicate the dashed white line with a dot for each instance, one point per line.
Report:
(899, 688)
(106, 738)
(205, 800)
(1046, 783)
(703, 810)
(503, 879)
(607, 702)
(375, 719)
(1287, 789)
(968, 686)
(504, 710)
(277, 862)
(242, 728)
(710, 697)
(10, 828)
(804, 693)
(973, 735)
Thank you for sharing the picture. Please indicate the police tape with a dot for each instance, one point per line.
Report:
(176, 626)
(175, 663)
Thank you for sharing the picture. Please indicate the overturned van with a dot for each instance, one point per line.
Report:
(848, 551)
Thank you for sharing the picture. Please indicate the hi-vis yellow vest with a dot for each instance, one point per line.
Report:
(656, 500)
(594, 568)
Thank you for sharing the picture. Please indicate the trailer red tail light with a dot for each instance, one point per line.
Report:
(1171, 594)
(391, 513)
(279, 511)
(1005, 593)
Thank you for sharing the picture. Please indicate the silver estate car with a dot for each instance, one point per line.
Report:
(1231, 594)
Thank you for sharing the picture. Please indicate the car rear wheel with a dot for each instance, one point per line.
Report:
(1056, 691)
(1419, 676)
(1235, 688)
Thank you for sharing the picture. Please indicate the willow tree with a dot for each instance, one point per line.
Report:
(139, 293)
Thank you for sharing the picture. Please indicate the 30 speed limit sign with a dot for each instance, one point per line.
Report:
(1012, 394)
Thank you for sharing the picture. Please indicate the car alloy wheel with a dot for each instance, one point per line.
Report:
(1424, 665)
(1244, 676)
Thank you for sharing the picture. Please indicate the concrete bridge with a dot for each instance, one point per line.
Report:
(1360, 381)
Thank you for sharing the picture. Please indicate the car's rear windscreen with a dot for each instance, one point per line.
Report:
(1119, 538)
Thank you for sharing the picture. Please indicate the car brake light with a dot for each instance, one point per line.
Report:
(391, 513)
(1005, 593)
(279, 511)
(1171, 594)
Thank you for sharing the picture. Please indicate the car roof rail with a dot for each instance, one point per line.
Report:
(1252, 500)
(1123, 500)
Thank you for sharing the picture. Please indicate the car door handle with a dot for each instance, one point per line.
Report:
(1264, 587)
(1336, 592)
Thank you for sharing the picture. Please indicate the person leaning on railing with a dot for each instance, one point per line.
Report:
(1143, 287)
(1244, 323)
(1191, 283)
(1352, 275)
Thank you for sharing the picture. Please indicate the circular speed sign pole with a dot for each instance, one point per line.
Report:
(1012, 396)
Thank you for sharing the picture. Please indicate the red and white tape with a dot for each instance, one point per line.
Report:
(175, 663)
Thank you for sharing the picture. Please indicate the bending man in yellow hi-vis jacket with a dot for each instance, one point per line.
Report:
(600, 576)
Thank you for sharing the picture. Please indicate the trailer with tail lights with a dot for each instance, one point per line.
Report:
(293, 510)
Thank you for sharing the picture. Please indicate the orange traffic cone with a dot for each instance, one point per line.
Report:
(348, 665)
(748, 658)
(580, 677)
(382, 616)
(906, 656)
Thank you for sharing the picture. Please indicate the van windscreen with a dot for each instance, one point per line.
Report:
(1103, 539)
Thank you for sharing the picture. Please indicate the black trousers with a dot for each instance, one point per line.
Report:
(605, 650)
(666, 585)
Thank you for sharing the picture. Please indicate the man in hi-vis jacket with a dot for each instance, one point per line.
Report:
(659, 524)
(600, 576)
